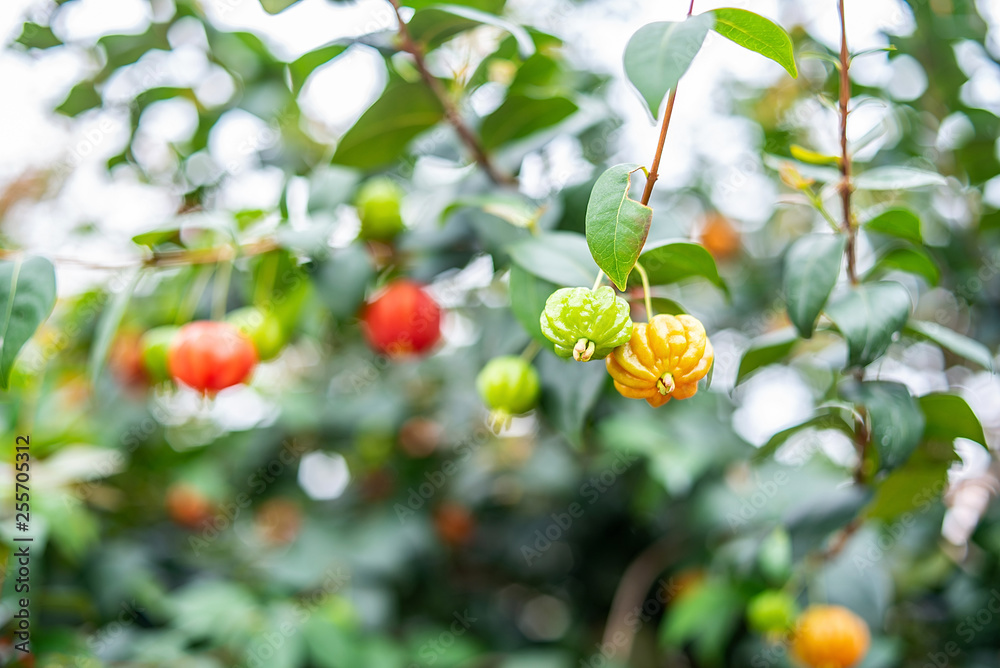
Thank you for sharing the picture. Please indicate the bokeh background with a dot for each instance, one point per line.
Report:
(344, 509)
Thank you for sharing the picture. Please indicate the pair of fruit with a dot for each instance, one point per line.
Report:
(824, 636)
(210, 356)
(656, 361)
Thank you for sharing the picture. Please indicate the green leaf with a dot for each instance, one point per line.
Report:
(561, 258)
(27, 295)
(276, 6)
(108, 326)
(155, 238)
(812, 266)
(911, 260)
(952, 341)
(81, 97)
(897, 178)
(660, 53)
(673, 261)
(767, 349)
(300, 68)
(513, 209)
(812, 157)
(435, 24)
(826, 417)
(706, 617)
(35, 36)
(491, 6)
(617, 225)
(527, 301)
(754, 32)
(387, 127)
(669, 307)
(901, 223)
(911, 487)
(868, 316)
(897, 423)
(520, 116)
(569, 392)
(948, 417)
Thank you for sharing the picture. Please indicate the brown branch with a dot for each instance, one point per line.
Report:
(451, 112)
(849, 228)
(654, 168)
(631, 593)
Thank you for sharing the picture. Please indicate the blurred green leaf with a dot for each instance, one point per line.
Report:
(527, 300)
(897, 423)
(659, 54)
(756, 33)
(868, 316)
(812, 266)
(948, 417)
(276, 6)
(668, 306)
(669, 262)
(385, 130)
(901, 223)
(108, 325)
(27, 295)
(520, 116)
(706, 617)
(897, 178)
(81, 97)
(343, 278)
(952, 341)
(513, 209)
(914, 260)
(767, 349)
(435, 24)
(826, 417)
(561, 258)
(300, 68)
(812, 157)
(569, 391)
(35, 36)
(617, 225)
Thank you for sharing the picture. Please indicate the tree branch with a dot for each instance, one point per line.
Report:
(846, 188)
(451, 112)
(169, 258)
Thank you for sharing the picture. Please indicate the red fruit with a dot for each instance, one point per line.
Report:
(187, 506)
(210, 356)
(402, 320)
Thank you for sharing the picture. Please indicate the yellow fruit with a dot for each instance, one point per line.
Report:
(830, 636)
(663, 359)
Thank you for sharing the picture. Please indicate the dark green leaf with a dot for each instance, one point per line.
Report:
(304, 65)
(276, 6)
(668, 306)
(754, 32)
(673, 261)
(910, 487)
(901, 223)
(767, 349)
(660, 53)
(897, 423)
(706, 617)
(897, 178)
(954, 342)
(387, 127)
(527, 300)
(569, 391)
(561, 258)
(520, 116)
(812, 266)
(36, 36)
(948, 417)
(27, 295)
(107, 327)
(911, 260)
(81, 97)
(868, 316)
(827, 417)
(617, 225)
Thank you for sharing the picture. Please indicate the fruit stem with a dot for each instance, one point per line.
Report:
(645, 291)
(532, 349)
(597, 282)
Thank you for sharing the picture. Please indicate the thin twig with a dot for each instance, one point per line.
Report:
(845, 158)
(451, 112)
(654, 168)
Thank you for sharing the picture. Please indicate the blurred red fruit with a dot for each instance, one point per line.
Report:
(402, 320)
(210, 356)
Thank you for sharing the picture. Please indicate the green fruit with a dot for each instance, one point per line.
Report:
(774, 558)
(378, 204)
(154, 344)
(508, 385)
(263, 329)
(772, 611)
(586, 324)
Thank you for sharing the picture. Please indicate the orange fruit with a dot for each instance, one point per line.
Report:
(830, 636)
